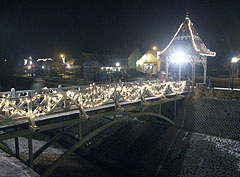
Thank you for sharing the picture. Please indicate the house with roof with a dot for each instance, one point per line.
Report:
(85, 64)
(148, 63)
(90, 68)
(126, 57)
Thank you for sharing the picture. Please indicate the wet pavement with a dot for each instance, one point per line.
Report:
(10, 166)
(140, 148)
(210, 146)
(203, 155)
(203, 142)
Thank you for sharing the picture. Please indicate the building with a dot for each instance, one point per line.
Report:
(148, 63)
(77, 67)
(90, 69)
(126, 57)
(44, 66)
(132, 59)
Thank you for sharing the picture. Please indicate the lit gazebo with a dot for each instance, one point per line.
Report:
(186, 46)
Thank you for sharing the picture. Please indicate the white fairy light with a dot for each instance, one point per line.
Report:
(93, 96)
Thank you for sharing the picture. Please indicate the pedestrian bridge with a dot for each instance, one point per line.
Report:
(31, 104)
(23, 113)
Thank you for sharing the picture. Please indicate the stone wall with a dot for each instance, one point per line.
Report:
(203, 91)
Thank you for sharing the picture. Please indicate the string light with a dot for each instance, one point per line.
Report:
(192, 37)
(89, 97)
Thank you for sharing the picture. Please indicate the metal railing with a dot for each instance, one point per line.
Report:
(32, 103)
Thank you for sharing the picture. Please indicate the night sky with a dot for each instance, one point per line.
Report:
(48, 28)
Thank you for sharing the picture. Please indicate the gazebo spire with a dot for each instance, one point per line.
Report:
(187, 14)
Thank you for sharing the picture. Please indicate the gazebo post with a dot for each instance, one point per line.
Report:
(204, 69)
(167, 66)
(193, 73)
(179, 72)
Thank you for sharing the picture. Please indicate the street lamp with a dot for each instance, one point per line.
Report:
(117, 65)
(68, 66)
(31, 64)
(154, 48)
(233, 61)
(179, 58)
(63, 57)
(25, 61)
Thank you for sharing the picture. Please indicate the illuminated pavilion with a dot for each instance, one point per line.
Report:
(186, 46)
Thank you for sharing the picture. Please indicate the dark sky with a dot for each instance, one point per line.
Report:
(48, 28)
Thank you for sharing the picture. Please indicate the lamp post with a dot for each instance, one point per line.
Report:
(233, 61)
(62, 69)
(193, 74)
(179, 58)
(31, 65)
(117, 65)
(63, 57)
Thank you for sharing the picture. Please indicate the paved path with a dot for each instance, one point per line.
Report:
(10, 166)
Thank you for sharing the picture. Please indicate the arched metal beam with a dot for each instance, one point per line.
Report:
(94, 133)
(80, 143)
(155, 115)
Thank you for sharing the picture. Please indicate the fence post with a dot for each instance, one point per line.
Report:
(80, 128)
(32, 124)
(30, 151)
(16, 145)
(175, 108)
(65, 101)
(29, 104)
(60, 87)
(13, 92)
(116, 100)
(160, 109)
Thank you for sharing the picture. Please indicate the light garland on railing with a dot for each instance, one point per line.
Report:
(53, 100)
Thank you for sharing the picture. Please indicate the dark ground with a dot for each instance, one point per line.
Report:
(203, 142)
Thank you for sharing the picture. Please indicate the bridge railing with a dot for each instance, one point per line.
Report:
(32, 103)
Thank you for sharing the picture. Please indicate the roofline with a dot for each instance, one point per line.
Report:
(194, 44)
(172, 39)
(208, 55)
(191, 34)
(213, 54)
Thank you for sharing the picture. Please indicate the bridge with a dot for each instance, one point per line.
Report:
(25, 113)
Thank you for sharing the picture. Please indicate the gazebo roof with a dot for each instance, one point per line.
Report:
(188, 38)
